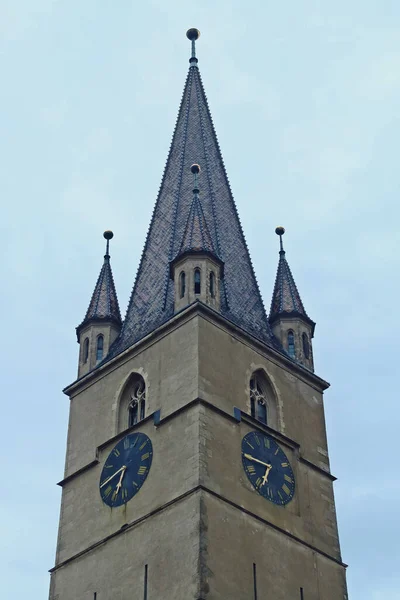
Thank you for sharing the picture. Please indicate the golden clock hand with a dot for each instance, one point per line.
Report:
(112, 476)
(119, 484)
(257, 461)
(265, 478)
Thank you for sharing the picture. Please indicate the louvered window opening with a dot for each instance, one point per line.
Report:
(291, 347)
(197, 282)
(182, 284)
(212, 284)
(99, 348)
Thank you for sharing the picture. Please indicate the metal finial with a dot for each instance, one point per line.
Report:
(193, 35)
(108, 235)
(280, 231)
(195, 170)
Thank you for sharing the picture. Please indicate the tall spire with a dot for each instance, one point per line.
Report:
(285, 298)
(152, 300)
(103, 305)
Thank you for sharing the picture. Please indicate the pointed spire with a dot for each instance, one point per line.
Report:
(152, 300)
(285, 298)
(104, 302)
(196, 237)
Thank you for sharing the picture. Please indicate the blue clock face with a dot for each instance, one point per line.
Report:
(126, 469)
(268, 468)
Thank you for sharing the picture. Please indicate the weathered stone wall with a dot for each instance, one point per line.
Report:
(168, 542)
(85, 519)
(232, 541)
(169, 366)
(226, 363)
(109, 331)
(281, 328)
(310, 516)
(197, 522)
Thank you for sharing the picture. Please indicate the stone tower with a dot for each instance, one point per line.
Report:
(197, 463)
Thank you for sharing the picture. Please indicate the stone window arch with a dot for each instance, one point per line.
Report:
(290, 344)
(212, 284)
(262, 399)
(182, 284)
(132, 406)
(85, 350)
(197, 281)
(306, 345)
(99, 347)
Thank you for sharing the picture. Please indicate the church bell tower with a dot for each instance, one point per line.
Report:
(197, 464)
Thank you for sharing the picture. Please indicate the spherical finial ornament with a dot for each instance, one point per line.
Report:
(280, 230)
(193, 34)
(108, 235)
(195, 169)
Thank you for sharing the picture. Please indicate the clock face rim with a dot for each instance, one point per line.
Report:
(278, 497)
(127, 481)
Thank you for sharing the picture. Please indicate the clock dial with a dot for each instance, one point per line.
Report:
(126, 469)
(268, 468)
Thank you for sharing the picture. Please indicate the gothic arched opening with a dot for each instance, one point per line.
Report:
(197, 281)
(99, 347)
(262, 399)
(290, 344)
(132, 406)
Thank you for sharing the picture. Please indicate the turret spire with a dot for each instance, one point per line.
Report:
(288, 317)
(103, 305)
(196, 236)
(286, 298)
(102, 322)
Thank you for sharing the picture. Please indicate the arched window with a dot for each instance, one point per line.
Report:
(197, 281)
(99, 348)
(263, 400)
(137, 401)
(306, 345)
(182, 284)
(290, 342)
(258, 401)
(86, 350)
(212, 284)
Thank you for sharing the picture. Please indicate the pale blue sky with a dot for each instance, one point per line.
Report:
(305, 98)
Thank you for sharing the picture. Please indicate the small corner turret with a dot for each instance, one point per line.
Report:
(102, 322)
(196, 270)
(288, 318)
